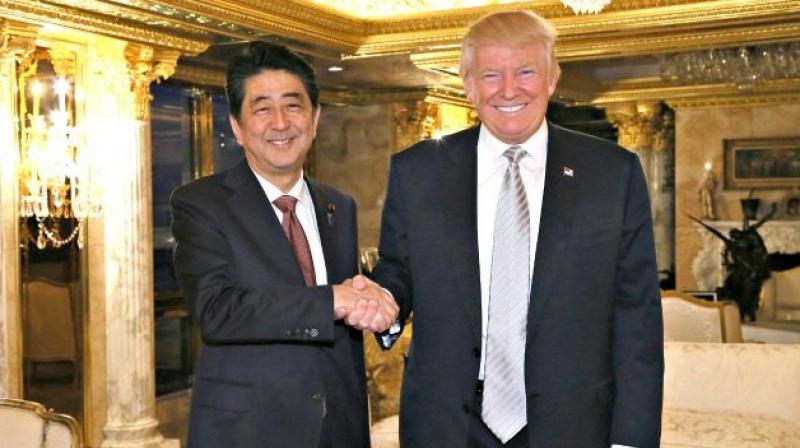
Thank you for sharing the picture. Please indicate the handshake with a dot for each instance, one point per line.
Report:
(364, 305)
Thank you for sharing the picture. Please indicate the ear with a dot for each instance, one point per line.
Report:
(315, 118)
(237, 131)
(551, 85)
(468, 88)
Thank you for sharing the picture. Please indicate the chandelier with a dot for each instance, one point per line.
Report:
(54, 171)
(743, 66)
(586, 6)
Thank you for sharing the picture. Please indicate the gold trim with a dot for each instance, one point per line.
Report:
(200, 75)
(706, 95)
(202, 133)
(147, 65)
(48, 416)
(672, 294)
(34, 11)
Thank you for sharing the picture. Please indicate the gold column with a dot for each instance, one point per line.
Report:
(648, 129)
(115, 82)
(202, 134)
(15, 42)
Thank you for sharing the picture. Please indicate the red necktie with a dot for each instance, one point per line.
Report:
(297, 238)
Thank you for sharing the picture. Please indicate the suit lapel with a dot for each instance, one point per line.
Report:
(458, 170)
(254, 210)
(324, 210)
(557, 217)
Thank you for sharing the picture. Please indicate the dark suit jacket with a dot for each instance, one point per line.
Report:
(594, 357)
(274, 362)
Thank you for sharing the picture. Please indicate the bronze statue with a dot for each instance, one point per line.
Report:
(746, 262)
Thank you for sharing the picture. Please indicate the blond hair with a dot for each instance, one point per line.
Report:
(512, 28)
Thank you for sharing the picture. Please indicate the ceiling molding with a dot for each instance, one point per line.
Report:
(706, 95)
(40, 13)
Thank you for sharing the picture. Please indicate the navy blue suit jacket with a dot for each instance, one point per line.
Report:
(274, 362)
(594, 355)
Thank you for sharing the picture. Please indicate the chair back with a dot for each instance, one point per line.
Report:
(689, 319)
(27, 424)
(49, 322)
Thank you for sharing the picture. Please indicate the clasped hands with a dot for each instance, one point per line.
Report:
(364, 305)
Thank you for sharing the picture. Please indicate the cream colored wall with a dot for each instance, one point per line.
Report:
(352, 154)
(699, 135)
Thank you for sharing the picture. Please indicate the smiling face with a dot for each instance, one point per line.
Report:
(276, 126)
(510, 86)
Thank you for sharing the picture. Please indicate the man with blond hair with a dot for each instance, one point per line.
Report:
(526, 254)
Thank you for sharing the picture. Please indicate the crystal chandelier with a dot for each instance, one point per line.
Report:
(743, 66)
(54, 171)
(586, 6)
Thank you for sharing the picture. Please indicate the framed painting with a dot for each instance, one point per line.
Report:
(762, 163)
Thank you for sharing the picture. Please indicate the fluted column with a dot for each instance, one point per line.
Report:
(120, 240)
(647, 129)
(11, 46)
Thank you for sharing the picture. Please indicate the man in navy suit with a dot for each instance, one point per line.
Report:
(581, 364)
(263, 257)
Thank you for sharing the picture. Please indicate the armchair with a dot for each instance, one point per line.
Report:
(26, 424)
(689, 319)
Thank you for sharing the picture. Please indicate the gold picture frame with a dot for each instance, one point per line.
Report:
(762, 163)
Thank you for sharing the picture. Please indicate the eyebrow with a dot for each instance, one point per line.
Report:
(259, 98)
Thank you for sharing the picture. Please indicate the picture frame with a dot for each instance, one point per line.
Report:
(762, 163)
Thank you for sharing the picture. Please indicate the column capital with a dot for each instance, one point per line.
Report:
(414, 122)
(636, 122)
(147, 64)
(17, 40)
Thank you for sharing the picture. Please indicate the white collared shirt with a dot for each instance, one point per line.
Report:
(492, 167)
(305, 214)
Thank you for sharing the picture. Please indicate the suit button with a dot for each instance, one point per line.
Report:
(466, 408)
(316, 397)
(314, 332)
(476, 351)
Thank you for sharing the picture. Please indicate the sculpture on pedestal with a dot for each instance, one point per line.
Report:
(746, 262)
(706, 193)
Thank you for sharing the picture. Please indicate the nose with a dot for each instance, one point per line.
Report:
(278, 120)
(508, 87)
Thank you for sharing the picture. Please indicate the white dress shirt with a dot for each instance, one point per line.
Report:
(308, 220)
(492, 165)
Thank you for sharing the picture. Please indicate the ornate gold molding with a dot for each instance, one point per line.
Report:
(200, 75)
(145, 65)
(16, 39)
(707, 95)
(637, 123)
(35, 11)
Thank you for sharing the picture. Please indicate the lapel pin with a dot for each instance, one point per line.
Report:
(329, 213)
(568, 171)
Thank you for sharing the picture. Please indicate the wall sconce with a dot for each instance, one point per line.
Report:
(54, 174)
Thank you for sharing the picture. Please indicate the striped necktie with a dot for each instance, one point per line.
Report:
(504, 403)
(297, 238)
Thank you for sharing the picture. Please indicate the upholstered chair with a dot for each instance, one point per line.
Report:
(26, 424)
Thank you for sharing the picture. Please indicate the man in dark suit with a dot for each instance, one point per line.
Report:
(259, 247)
(525, 252)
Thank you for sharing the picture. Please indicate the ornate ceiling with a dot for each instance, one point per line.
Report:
(391, 44)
